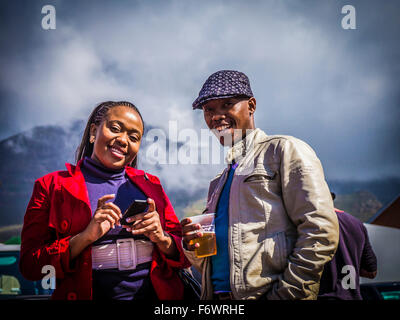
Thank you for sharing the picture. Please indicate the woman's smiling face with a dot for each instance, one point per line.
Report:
(117, 137)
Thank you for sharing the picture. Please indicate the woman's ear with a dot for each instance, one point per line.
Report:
(252, 105)
(93, 130)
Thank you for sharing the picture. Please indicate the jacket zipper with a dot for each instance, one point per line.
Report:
(231, 264)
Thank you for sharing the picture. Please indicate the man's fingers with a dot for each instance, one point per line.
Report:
(190, 228)
(186, 221)
(192, 236)
(192, 247)
(187, 242)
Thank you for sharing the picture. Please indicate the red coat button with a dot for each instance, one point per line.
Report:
(64, 225)
(71, 296)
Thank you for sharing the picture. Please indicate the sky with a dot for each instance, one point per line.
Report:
(336, 89)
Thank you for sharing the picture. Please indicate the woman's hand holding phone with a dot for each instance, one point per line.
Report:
(147, 223)
(106, 216)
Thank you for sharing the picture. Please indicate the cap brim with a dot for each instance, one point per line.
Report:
(198, 103)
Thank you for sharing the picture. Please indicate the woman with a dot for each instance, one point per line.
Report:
(72, 220)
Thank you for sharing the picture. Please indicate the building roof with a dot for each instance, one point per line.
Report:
(388, 216)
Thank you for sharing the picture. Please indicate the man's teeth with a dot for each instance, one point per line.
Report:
(222, 128)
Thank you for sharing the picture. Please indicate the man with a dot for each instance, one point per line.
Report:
(354, 257)
(275, 223)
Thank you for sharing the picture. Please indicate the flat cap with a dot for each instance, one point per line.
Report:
(223, 84)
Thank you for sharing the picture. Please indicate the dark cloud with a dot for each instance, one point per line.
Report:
(336, 89)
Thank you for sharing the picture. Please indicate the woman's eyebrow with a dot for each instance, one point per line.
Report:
(123, 125)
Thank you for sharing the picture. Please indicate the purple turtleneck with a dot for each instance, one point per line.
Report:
(113, 283)
(101, 181)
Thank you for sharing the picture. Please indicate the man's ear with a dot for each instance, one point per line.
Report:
(252, 105)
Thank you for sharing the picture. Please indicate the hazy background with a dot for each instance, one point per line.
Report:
(336, 89)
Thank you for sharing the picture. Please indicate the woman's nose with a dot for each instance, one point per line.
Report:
(123, 138)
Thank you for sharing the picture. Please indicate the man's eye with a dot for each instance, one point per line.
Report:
(134, 138)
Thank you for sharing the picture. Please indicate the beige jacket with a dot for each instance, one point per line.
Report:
(282, 224)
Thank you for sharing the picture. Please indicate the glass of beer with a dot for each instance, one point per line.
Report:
(208, 242)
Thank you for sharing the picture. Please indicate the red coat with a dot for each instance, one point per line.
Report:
(59, 208)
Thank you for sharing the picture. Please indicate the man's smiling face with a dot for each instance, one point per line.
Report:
(229, 118)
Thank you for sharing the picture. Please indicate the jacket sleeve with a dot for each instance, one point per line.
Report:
(39, 243)
(309, 205)
(173, 228)
(198, 263)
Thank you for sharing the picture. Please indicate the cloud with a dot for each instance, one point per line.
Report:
(331, 87)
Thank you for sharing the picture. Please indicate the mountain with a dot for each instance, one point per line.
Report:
(26, 157)
(385, 189)
(29, 155)
(361, 204)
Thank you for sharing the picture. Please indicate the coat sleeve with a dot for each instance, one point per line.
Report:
(39, 243)
(309, 205)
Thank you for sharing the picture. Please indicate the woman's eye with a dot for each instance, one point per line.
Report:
(114, 129)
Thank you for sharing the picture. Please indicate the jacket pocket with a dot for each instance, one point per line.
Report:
(264, 262)
(275, 252)
(260, 176)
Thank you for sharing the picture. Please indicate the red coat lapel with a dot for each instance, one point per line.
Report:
(75, 184)
(149, 188)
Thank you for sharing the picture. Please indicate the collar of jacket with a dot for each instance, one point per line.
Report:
(75, 184)
(241, 148)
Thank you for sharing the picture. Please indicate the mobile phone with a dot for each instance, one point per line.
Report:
(136, 207)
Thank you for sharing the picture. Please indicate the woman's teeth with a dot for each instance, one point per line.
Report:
(117, 152)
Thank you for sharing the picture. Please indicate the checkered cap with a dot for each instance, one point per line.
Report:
(223, 84)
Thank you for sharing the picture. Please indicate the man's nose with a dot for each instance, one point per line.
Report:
(218, 116)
